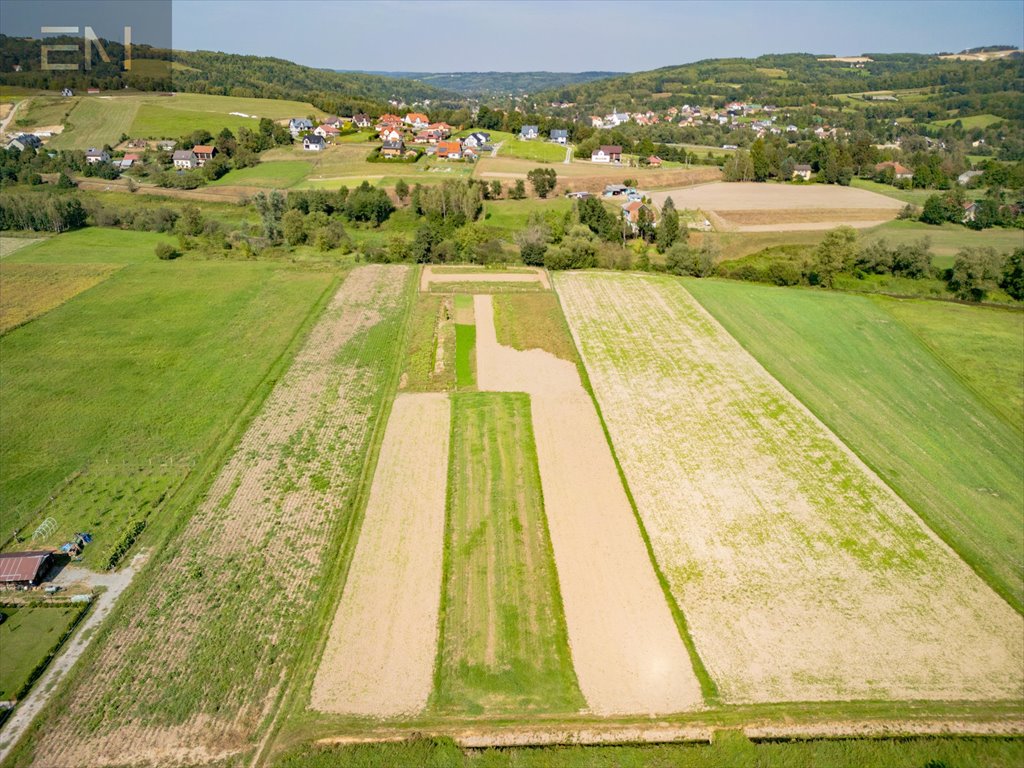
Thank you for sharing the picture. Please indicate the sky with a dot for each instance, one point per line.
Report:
(555, 35)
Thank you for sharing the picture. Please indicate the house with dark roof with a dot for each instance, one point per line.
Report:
(361, 120)
(94, 156)
(313, 143)
(24, 141)
(607, 153)
(392, 148)
(560, 136)
(477, 139)
(528, 132)
(299, 124)
(185, 158)
(804, 171)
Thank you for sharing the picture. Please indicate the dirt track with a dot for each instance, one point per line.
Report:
(379, 659)
(627, 652)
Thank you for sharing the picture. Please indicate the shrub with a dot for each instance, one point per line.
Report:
(165, 252)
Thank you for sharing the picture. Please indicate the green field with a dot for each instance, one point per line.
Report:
(901, 409)
(504, 645)
(28, 636)
(155, 121)
(465, 342)
(97, 121)
(111, 399)
(278, 175)
(729, 750)
(913, 196)
(947, 239)
(430, 365)
(512, 215)
(973, 121)
(539, 150)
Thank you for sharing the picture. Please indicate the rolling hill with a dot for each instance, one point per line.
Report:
(496, 83)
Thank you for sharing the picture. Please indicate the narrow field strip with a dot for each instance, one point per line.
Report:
(627, 652)
(30, 290)
(203, 644)
(379, 658)
(802, 576)
(504, 646)
(465, 342)
(430, 276)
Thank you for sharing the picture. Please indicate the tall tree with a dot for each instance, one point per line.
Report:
(668, 227)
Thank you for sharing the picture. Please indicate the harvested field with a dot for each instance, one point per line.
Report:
(504, 645)
(626, 649)
(592, 177)
(430, 277)
(802, 576)
(9, 245)
(29, 290)
(750, 207)
(379, 658)
(204, 639)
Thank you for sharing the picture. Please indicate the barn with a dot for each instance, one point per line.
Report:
(24, 568)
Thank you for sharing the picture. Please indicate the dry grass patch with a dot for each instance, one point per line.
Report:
(29, 290)
(448, 279)
(802, 576)
(804, 215)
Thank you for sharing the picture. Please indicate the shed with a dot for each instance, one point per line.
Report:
(20, 568)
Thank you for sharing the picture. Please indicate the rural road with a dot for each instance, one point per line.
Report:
(494, 152)
(7, 120)
(115, 583)
(568, 155)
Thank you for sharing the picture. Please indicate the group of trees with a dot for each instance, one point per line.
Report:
(53, 212)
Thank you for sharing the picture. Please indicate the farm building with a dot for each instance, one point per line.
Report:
(24, 141)
(608, 153)
(24, 568)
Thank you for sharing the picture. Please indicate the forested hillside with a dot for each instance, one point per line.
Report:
(499, 83)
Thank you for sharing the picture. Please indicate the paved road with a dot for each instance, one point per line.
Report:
(29, 707)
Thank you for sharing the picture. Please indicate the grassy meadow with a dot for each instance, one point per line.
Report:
(533, 321)
(112, 398)
(537, 150)
(901, 408)
(504, 645)
(30, 290)
(276, 175)
(28, 635)
(465, 342)
(430, 358)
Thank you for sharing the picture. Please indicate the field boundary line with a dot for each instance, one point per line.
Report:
(307, 655)
(708, 687)
(187, 493)
(934, 528)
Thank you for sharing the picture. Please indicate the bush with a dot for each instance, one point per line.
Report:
(166, 252)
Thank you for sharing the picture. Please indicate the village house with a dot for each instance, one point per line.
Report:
(299, 124)
(390, 134)
(654, 161)
(129, 160)
(313, 143)
(203, 153)
(528, 132)
(631, 212)
(392, 148)
(560, 136)
(417, 120)
(607, 153)
(970, 211)
(94, 156)
(898, 171)
(476, 139)
(335, 122)
(596, 122)
(451, 150)
(802, 171)
(24, 141)
(184, 159)
(326, 131)
(442, 128)
(361, 120)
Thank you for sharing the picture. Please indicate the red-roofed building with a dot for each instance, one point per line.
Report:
(326, 131)
(203, 153)
(898, 171)
(449, 149)
(417, 120)
(24, 568)
(654, 161)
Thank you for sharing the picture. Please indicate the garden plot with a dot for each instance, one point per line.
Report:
(626, 649)
(802, 576)
(750, 207)
(431, 277)
(379, 658)
(191, 668)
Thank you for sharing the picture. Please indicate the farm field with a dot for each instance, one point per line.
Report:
(750, 207)
(856, 363)
(512, 215)
(946, 240)
(533, 321)
(30, 290)
(96, 121)
(465, 341)
(504, 646)
(180, 348)
(626, 648)
(28, 635)
(537, 151)
(584, 175)
(802, 576)
(981, 344)
(971, 121)
(430, 361)
(379, 658)
(184, 673)
(278, 175)
(439, 278)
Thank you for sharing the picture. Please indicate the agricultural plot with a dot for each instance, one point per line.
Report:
(277, 175)
(465, 342)
(855, 364)
(29, 290)
(802, 576)
(92, 245)
(447, 280)
(198, 649)
(430, 361)
(28, 635)
(584, 175)
(504, 646)
(626, 649)
(749, 207)
(95, 122)
(533, 321)
(379, 658)
(180, 349)
(537, 151)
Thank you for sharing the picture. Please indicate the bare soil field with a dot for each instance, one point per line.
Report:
(750, 207)
(379, 658)
(191, 669)
(430, 276)
(626, 649)
(593, 177)
(802, 576)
